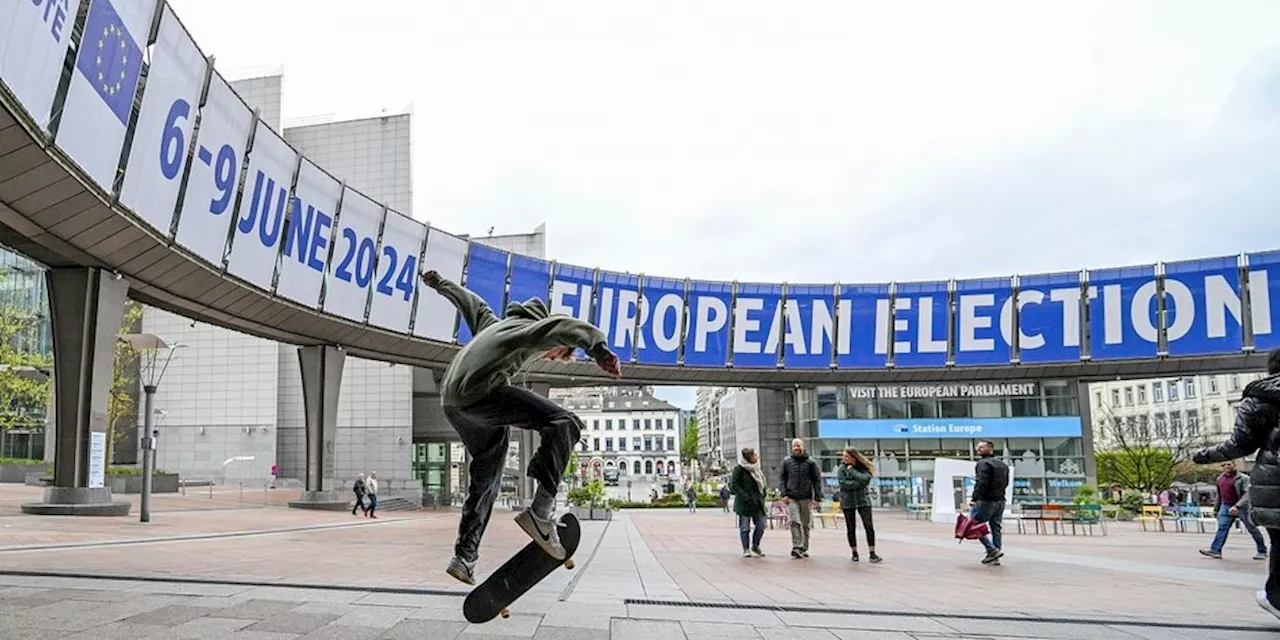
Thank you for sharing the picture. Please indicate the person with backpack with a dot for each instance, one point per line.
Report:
(359, 490)
(1257, 418)
(854, 476)
(748, 486)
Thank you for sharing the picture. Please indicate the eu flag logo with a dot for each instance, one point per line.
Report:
(110, 59)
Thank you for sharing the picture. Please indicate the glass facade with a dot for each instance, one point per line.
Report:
(1045, 469)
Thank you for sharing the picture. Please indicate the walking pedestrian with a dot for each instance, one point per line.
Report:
(691, 497)
(801, 491)
(1257, 417)
(854, 476)
(747, 485)
(371, 492)
(724, 498)
(1232, 505)
(359, 489)
(990, 481)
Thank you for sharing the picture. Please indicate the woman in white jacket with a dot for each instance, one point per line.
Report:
(371, 488)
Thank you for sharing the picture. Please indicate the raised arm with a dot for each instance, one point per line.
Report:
(474, 310)
(1254, 419)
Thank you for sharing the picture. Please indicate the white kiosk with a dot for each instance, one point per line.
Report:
(946, 495)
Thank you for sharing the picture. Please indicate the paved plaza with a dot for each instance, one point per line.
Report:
(225, 566)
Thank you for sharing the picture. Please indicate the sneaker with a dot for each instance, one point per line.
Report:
(875, 559)
(462, 570)
(804, 553)
(993, 556)
(1209, 553)
(746, 553)
(855, 556)
(1266, 605)
(1261, 555)
(757, 552)
(544, 532)
(795, 553)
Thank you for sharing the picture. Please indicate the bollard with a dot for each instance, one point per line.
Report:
(241, 492)
(210, 489)
(266, 497)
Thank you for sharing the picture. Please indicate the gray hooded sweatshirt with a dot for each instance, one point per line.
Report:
(501, 347)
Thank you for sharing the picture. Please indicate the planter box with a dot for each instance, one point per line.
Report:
(160, 483)
(17, 473)
(591, 514)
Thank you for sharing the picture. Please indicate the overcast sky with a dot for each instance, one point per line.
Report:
(805, 141)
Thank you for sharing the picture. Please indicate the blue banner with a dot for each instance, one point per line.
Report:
(707, 339)
(1055, 427)
(661, 314)
(1049, 318)
(810, 326)
(1202, 307)
(1264, 287)
(530, 278)
(617, 310)
(920, 325)
(863, 340)
(984, 322)
(486, 277)
(1122, 313)
(757, 325)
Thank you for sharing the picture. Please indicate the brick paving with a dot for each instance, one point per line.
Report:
(646, 574)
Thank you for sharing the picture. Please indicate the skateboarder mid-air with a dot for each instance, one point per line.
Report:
(482, 405)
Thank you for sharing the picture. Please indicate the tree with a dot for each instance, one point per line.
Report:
(689, 442)
(24, 371)
(122, 404)
(1144, 451)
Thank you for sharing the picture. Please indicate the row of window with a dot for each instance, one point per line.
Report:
(648, 468)
(1160, 390)
(1175, 425)
(649, 423)
(650, 443)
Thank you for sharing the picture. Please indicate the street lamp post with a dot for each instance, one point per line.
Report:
(151, 370)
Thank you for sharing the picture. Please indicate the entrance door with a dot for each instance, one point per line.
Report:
(431, 467)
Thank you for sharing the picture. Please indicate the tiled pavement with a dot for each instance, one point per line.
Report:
(385, 580)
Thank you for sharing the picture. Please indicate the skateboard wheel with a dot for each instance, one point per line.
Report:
(568, 564)
(506, 614)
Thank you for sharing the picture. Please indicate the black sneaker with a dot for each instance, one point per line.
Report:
(795, 553)
(992, 556)
(1209, 553)
(875, 559)
(461, 570)
(855, 556)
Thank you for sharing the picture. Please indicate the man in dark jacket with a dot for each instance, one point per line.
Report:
(482, 405)
(1255, 431)
(990, 481)
(801, 490)
(359, 490)
(1233, 504)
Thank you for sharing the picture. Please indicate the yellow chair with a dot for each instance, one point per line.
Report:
(1151, 513)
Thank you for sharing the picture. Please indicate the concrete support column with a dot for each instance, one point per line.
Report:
(321, 383)
(1086, 432)
(529, 442)
(86, 306)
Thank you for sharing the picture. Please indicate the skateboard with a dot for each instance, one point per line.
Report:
(519, 574)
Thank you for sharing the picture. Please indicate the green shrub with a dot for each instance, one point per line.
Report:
(132, 471)
(22, 461)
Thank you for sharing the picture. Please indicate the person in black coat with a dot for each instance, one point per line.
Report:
(1257, 417)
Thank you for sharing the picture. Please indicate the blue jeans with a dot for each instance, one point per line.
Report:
(744, 531)
(1225, 520)
(992, 513)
